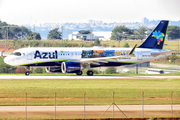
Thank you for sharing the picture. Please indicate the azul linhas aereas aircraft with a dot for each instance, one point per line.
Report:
(74, 60)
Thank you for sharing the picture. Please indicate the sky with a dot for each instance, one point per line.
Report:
(22, 12)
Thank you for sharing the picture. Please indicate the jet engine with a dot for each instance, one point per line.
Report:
(71, 67)
(53, 69)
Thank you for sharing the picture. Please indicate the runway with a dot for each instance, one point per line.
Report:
(88, 77)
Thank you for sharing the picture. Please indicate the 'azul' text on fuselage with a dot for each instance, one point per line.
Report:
(46, 55)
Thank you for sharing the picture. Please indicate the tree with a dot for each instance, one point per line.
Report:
(120, 32)
(97, 42)
(14, 31)
(54, 34)
(141, 32)
(173, 32)
(126, 45)
(38, 70)
(172, 58)
(20, 70)
(4, 68)
(84, 32)
(2, 29)
(1, 35)
(33, 36)
(25, 31)
(110, 70)
(81, 36)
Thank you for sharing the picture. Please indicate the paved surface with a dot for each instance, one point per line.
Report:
(86, 77)
(90, 111)
(91, 108)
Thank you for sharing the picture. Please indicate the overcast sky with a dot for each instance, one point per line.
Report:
(61, 11)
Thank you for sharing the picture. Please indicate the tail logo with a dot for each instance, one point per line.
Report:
(159, 36)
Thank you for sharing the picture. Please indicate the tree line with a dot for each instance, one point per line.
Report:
(122, 32)
(9, 31)
(118, 33)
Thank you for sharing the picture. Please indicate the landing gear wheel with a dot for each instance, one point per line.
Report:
(26, 73)
(79, 73)
(90, 73)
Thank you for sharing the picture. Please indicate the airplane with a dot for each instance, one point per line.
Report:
(74, 60)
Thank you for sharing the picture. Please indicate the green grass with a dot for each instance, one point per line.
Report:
(98, 92)
(16, 44)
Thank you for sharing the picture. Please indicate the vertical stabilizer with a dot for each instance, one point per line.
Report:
(156, 39)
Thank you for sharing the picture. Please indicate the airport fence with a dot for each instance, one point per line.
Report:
(112, 110)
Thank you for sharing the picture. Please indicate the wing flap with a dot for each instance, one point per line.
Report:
(102, 59)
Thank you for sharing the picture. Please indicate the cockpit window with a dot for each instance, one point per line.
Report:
(17, 54)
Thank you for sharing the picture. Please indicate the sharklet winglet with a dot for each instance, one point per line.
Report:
(132, 51)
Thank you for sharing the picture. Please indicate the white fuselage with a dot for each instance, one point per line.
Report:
(38, 56)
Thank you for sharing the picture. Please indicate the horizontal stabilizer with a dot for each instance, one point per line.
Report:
(163, 53)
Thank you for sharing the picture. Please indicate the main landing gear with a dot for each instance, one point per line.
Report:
(90, 73)
(79, 73)
(27, 71)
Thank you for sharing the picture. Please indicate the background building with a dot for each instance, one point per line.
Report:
(102, 35)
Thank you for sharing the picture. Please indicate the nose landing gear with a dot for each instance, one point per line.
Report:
(27, 71)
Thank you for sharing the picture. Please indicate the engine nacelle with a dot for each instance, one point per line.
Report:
(71, 67)
(53, 69)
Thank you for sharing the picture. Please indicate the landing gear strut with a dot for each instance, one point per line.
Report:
(79, 73)
(27, 71)
(90, 73)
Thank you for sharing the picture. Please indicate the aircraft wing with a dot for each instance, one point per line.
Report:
(163, 53)
(101, 59)
(104, 59)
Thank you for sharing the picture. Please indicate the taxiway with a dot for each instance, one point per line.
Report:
(88, 77)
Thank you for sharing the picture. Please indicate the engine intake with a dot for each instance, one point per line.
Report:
(70, 67)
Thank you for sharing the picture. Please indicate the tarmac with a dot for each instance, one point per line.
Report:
(88, 77)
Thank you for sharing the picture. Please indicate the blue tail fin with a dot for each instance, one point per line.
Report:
(157, 37)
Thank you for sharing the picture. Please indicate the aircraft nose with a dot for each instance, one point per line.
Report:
(7, 60)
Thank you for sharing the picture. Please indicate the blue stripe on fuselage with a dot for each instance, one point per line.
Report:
(92, 65)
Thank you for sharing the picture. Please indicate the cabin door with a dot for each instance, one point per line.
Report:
(29, 55)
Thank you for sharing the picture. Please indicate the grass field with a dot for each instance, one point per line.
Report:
(98, 92)
(169, 45)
